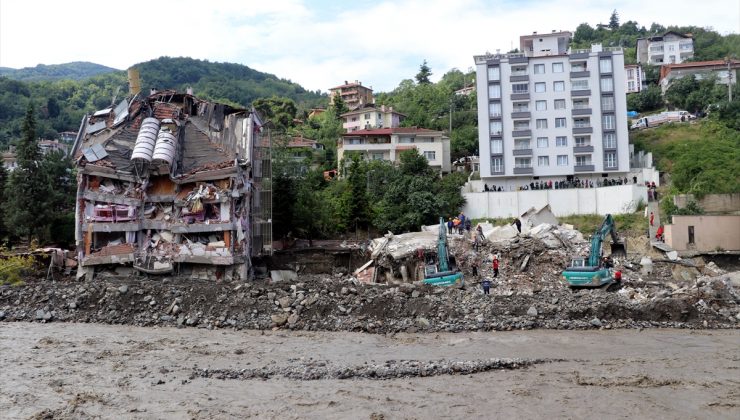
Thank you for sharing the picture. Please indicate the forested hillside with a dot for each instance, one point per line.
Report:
(76, 70)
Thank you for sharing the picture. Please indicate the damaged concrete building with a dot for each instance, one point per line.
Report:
(170, 183)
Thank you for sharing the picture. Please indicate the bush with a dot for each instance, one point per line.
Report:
(14, 267)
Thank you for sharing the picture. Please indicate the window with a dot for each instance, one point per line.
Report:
(542, 123)
(523, 162)
(497, 147)
(539, 87)
(631, 74)
(557, 67)
(559, 122)
(630, 85)
(522, 144)
(562, 160)
(521, 106)
(521, 125)
(355, 140)
(520, 88)
(541, 105)
(542, 142)
(608, 121)
(607, 103)
(583, 160)
(561, 141)
(610, 141)
(691, 235)
(610, 159)
(494, 73)
(559, 103)
(581, 122)
(494, 109)
(496, 128)
(583, 141)
(543, 160)
(406, 140)
(430, 155)
(671, 47)
(497, 165)
(558, 86)
(576, 67)
(579, 84)
(519, 71)
(376, 156)
(494, 91)
(607, 84)
(605, 65)
(539, 69)
(580, 104)
(367, 116)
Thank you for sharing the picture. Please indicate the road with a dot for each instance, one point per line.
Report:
(67, 370)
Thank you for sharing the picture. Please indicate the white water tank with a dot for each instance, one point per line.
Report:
(164, 150)
(146, 140)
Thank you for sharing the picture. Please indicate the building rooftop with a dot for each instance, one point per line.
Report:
(389, 131)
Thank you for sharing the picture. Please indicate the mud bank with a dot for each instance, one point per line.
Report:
(330, 304)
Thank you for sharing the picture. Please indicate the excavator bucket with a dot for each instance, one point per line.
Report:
(619, 249)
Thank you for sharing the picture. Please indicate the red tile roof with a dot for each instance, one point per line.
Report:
(713, 64)
(301, 142)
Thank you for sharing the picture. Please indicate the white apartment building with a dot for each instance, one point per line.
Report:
(370, 116)
(388, 143)
(669, 48)
(551, 113)
(634, 77)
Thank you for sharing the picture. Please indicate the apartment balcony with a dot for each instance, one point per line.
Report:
(521, 114)
(581, 111)
(495, 116)
(610, 146)
(583, 149)
(579, 54)
(519, 96)
(580, 74)
(583, 129)
(522, 170)
(522, 152)
(522, 133)
(580, 92)
(513, 59)
(519, 78)
(584, 168)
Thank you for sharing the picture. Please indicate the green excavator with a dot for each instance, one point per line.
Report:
(594, 271)
(441, 271)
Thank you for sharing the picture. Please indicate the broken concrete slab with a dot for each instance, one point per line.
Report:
(283, 275)
(499, 233)
(535, 217)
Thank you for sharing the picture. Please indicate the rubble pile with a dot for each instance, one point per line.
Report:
(320, 303)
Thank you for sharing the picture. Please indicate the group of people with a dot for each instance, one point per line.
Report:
(566, 184)
(459, 224)
(652, 191)
(486, 281)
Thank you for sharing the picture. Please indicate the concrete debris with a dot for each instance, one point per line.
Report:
(533, 218)
(283, 275)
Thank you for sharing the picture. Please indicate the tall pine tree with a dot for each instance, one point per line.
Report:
(27, 192)
(422, 77)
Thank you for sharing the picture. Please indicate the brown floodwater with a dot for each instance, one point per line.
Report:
(67, 370)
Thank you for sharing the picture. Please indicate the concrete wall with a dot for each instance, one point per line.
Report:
(605, 200)
(710, 233)
(712, 203)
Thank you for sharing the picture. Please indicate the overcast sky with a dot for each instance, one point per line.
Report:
(317, 43)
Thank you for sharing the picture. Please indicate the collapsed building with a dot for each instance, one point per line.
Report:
(170, 183)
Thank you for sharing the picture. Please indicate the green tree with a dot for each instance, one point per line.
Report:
(614, 20)
(584, 34)
(279, 111)
(422, 77)
(648, 99)
(338, 107)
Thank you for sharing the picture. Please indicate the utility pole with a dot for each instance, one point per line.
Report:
(449, 133)
(729, 79)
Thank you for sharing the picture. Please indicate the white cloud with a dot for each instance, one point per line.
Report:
(379, 43)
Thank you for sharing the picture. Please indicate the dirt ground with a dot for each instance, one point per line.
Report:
(72, 370)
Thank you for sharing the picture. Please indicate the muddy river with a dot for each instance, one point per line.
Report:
(67, 370)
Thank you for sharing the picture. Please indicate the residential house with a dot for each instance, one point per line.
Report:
(552, 113)
(725, 71)
(635, 78)
(703, 233)
(388, 143)
(315, 112)
(10, 162)
(466, 91)
(67, 136)
(304, 153)
(369, 116)
(47, 146)
(353, 94)
(669, 48)
(172, 183)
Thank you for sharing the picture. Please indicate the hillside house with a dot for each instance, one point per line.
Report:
(170, 183)
(354, 94)
(724, 71)
(369, 116)
(668, 48)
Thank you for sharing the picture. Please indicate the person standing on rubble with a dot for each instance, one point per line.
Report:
(486, 283)
(518, 224)
(652, 219)
(495, 266)
(449, 225)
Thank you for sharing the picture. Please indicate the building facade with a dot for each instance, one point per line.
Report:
(634, 78)
(353, 94)
(552, 113)
(169, 183)
(724, 71)
(388, 143)
(369, 117)
(669, 48)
